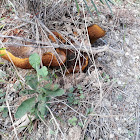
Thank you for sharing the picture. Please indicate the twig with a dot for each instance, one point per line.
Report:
(63, 46)
(55, 121)
(10, 114)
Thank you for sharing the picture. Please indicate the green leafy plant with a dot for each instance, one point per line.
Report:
(2, 96)
(4, 111)
(106, 77)
(36, 105)
(73, 121)
(74, 99)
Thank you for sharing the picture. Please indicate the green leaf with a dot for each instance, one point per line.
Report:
(82, 96)
(27, 91)
(111, 2)
(95, 7)
(51, 87)
(2, 100)
(43, 71)
(2, 54)
(5, 113)
(88, 8)
(81, 91)
(89, 110)
(72, 121)
(71, 90)
(1, 26)
(56, 93)
(80, 124)
(76, 102)
(109, 6)
(34, 60)
(101, 1)
(2, 48)
(42, 98)
(52, 132)
(2, 108)
(25, 107)
(70, 98)
(32, 81)
(77, 6)
(42, 109)
(79, 87)
(2, 18)
(2, 94)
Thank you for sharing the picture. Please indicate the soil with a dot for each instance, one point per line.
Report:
(109, 108)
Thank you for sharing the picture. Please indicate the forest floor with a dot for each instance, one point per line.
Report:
(102, 103)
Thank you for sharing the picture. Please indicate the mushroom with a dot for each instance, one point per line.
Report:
(95, 32)
(20, 55)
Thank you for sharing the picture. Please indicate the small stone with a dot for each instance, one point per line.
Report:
(124, 119)
(102, 17)
(115, 106)
(137, 57)
(108, 59)
(119, 82)
(127, 41)
(106, 103)
(99, 59)
(119, 129)
(117, 118)
(111, 136)
(135, 46)
(127, 54)
(118, 63)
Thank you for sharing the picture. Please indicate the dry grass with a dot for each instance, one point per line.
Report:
(110, 107)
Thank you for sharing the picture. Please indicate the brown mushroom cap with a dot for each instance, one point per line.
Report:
(95, 32)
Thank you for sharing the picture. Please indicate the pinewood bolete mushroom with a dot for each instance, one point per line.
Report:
(20, 55)
(95, 32)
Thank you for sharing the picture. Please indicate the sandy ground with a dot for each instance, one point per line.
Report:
(110, 109)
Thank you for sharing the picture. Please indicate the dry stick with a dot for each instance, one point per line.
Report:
(138, 123)
(74, 110)
(52, 46)
(42, 120)
(55, 121)
(10, 114)
(96, 70)
(88, 49)
(24, 39)
(90, 117)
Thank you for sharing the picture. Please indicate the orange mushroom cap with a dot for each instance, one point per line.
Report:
(95, 32)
